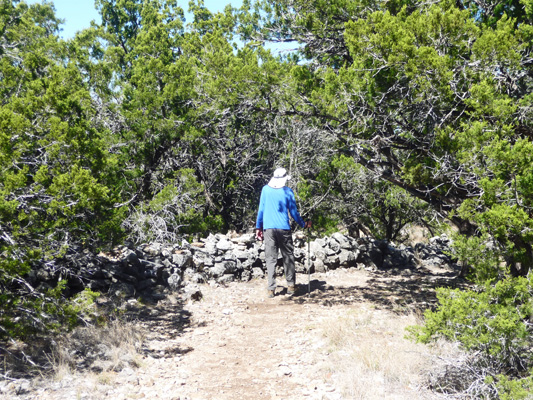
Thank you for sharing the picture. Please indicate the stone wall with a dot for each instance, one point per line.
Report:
(153, 270)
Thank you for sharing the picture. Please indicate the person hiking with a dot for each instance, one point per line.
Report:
(272, 226)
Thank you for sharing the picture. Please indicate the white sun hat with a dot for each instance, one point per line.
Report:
(279, 179)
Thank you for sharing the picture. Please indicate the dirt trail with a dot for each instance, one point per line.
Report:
(237, 344)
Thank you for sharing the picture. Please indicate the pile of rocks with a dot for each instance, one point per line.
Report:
(152, 270)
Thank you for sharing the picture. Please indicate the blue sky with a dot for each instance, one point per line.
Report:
(78, 14)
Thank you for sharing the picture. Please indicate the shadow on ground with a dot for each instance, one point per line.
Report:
(413, 291)
(162, 320)
(89, 345)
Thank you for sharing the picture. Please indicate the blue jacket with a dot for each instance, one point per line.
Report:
(274, 208)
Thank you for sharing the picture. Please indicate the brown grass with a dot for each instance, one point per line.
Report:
(99, 349)
(370, 358)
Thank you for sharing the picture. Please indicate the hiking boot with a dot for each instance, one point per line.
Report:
(291, 290)
(270, 294)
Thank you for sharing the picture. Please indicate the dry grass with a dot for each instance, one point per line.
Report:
(84, 363)
(370, 358)
(98, 349)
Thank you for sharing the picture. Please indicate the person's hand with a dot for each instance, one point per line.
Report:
(308, 225)
(259, 234)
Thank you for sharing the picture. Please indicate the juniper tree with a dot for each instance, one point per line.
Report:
(55, 170)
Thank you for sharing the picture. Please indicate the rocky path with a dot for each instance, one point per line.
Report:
(235, 343)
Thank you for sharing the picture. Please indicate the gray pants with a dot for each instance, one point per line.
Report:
(279, 239)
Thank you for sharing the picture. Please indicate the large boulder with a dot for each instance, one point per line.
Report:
(174, 282)
(182, 259)
(343, 241)
(371, 252)
(347, 258)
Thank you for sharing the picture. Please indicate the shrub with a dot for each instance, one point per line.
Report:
(175, 211)
(492, 322)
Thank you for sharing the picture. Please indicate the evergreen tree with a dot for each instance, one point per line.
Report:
(55, 193)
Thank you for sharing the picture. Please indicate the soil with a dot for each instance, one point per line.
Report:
(235, 343)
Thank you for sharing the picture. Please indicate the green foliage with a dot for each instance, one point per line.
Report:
(514, 389)
(324, 219)
(494, 324)
(24, 315)
(357, 199)
(492, 11)
(177, 210)
(64, 314)
(480, 256)
(81, 307)
(469, 158)
(510, 225)
(56, 174)
(492, 321)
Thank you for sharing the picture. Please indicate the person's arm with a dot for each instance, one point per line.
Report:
(259, 221)
(293, 210)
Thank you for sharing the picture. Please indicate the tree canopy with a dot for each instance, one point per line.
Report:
(435, 99)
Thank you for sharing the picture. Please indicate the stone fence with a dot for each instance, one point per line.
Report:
(153, 270)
